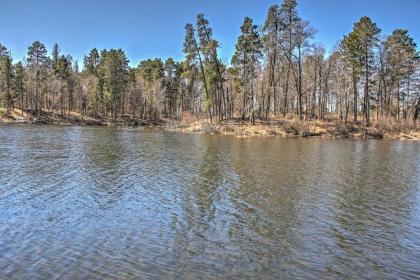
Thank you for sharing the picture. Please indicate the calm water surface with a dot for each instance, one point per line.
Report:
(109, 203)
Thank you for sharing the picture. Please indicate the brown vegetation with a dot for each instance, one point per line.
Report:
(292, 126)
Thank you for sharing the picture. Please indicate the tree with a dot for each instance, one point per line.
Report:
(401, 58)
(172, 82)
(352, 54)
(3, 50)
(114, 73)
(18, 83)
(271, 29)
(6, 77)
(209, 47)
(152, 74)
(289, 19)
(63, 73)
(91, 62)
(303, 32)
(38, 63)
(55, 55)
(246, 59)
(192, 51)
(367, 33)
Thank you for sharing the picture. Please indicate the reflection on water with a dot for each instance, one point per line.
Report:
(96, 203)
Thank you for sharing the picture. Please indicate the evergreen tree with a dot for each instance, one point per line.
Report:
(401, 59)
(38, 64)
(271, 29)
(114, 72)
(368, 37)
(246, 59)
(63, 73)
(192, 51)
(352, 54)
(172, 86)
(55, 56)
(288, 21)
(6, 77)
(19, 83)
(214, 69)
(91, 62)
(152, 73)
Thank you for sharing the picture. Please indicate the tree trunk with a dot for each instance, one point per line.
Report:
(354, 99)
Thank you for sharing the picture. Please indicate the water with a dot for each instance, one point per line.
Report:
(109, 203)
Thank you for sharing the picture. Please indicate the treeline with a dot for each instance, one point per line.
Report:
(276, 70)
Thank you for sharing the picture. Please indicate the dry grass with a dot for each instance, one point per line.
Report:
(294, 127)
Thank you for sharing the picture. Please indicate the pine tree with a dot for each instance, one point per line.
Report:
(152, 73)
(367, 37)
(38, 64)
(246, 60)
(209, 47)
(6, 76)
(288, 20)
(192, 51)
(114, 72)
(352, 54)
(272, 28)
(19, 84)
(63, 73)
(91, 62)
(172, 86)
(401, 58)
(55, 55)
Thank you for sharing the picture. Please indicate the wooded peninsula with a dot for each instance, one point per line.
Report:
(278, 82)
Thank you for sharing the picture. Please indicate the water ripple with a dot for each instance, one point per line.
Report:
(119, 203)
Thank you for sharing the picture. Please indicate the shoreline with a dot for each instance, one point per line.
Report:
(279, 127)
(294, 129)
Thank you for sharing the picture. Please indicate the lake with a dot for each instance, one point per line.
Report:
(130, 203)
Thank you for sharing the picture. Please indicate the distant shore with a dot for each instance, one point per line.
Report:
(284, 127)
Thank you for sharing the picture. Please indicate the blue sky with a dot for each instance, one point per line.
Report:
(155, 28)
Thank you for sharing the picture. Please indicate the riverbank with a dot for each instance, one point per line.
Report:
(291, 127)
(285, 127)
(16, 116)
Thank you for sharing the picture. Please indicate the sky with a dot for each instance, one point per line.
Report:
(155, 28)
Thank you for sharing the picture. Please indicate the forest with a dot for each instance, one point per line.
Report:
(277, 71)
